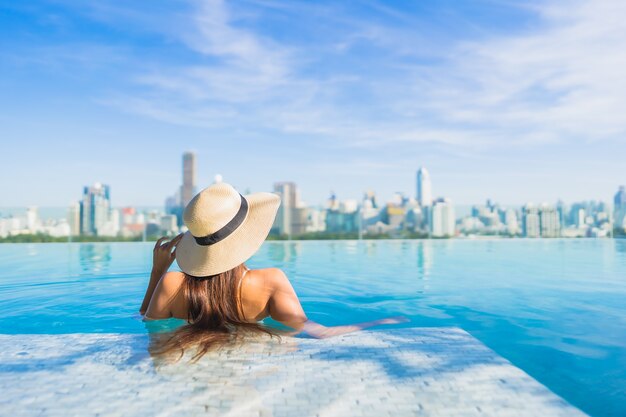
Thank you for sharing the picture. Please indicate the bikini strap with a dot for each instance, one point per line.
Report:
(241, 280)
(239, 287)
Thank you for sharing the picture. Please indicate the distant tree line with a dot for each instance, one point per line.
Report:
(44, 238)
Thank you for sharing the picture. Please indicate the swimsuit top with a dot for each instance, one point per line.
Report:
(241, 280)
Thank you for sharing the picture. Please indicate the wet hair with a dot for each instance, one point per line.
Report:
(215, 316)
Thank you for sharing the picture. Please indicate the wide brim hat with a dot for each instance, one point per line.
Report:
(225, 229)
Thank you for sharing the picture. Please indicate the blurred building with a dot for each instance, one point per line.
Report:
(316, 220)
(414, 219)
(510, 220)
(94, 208)
(424, 198)
(549, 221)
(370, 213)
(530, 221)
(292, 216)
(132, 222)
(443, 220)
(619, 210)
(168, 225)
(542, 221)
(111, 227)
(394, 215)
(175, 205)
(492, 220)
(73, 219)
(342, 217)
(32, 219)
(424, 188)
(188, 189)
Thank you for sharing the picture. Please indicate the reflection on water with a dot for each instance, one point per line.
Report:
(31, 249)
(424, 255)
(370, 247)
(352, 246)
(620, 245)
(284, 252)
(94, 257)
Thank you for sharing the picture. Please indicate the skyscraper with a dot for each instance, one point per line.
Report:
(188, 189)
(620, 210)
(287, 192)
(291, 218)
(94, 208)
(424, 188)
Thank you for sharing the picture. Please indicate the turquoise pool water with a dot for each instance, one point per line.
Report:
(555, 308)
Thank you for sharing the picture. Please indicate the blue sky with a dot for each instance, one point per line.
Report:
(514, 101)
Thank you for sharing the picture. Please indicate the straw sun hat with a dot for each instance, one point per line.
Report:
(225, 229)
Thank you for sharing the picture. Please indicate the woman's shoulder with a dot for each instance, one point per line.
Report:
(271, 273)
(270, 277)
(171, 281)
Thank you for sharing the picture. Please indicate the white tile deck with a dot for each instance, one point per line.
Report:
(403, 372)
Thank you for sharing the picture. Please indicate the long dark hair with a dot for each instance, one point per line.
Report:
(215, 316)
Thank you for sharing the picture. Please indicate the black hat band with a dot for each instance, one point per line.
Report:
(228, 229)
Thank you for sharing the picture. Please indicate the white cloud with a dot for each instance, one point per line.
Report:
(557, 81)
(563, 80)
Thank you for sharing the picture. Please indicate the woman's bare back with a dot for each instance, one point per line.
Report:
(256, 289)
(264, 293)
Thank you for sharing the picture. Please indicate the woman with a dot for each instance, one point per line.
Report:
(215, 292)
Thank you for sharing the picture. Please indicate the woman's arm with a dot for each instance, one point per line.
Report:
(285, 308)
(152, 284)
(163, 256)
(321, 332)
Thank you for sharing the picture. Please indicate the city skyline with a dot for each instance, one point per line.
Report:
(513, 102)
(187, 185)
(421, 216)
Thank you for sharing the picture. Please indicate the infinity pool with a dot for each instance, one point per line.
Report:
(555, 308)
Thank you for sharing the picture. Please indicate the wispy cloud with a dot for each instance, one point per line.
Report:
(561, 81)
(558, 80)
(365, 90)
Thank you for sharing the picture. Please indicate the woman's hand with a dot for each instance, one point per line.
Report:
(392, 320)
(164, 254)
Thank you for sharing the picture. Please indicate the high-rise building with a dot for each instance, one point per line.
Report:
(530, 221)
(94, 208)
(510, 219)
(442, 220)
(561, 209)
(283, 221)
(619, 216)
(579, 218)
(188, 189)
(32, 219)
(291, 218)
(73, 218)
(424, 188)
(549, 221)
